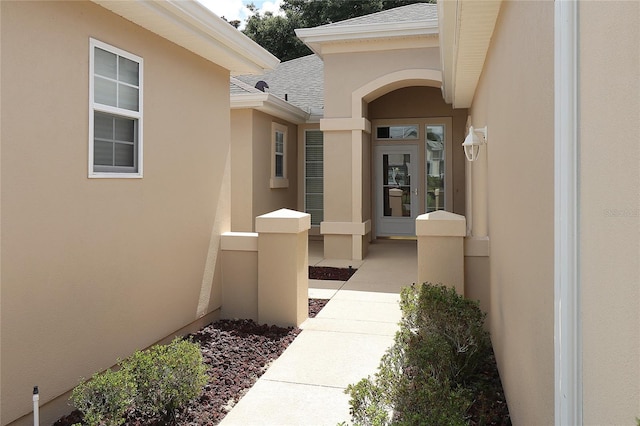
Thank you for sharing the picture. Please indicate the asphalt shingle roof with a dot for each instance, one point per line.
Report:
(410, 13)
(239, 87)
(301, 80)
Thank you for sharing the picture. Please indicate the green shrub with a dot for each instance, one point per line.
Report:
(166, 377)
(105, 398)
(436, 368)
(155, 383)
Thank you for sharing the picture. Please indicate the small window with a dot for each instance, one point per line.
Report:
(115, 112)
(313, 176)
(279, 156)
(397, 132)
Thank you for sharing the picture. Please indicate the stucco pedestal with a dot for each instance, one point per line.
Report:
(441, 249)
(283, 267)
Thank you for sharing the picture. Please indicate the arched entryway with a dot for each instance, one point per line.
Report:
(356, 151)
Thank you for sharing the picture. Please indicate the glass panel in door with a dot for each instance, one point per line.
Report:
(396, 189)
(396, 185)
(435, 157)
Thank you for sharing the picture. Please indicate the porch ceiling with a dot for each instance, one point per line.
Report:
(466, 27)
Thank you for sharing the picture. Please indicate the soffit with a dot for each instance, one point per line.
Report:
(466, 27)
(194, 27)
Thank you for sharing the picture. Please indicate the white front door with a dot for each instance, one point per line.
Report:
(396, 177)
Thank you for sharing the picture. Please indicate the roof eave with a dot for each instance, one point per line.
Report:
(466, 27)
(269, 104)
(194, 27)
(316, 37)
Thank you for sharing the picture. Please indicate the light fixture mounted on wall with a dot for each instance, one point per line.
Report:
(473, 141)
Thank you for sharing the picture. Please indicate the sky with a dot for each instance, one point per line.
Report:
(236, 9)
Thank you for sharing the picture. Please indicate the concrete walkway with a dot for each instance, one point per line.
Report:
(342, 345)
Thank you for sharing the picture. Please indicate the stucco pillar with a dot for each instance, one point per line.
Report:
(283, 267)
(441, 249)
(347, 225)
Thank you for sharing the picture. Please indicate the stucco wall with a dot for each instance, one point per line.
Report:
(266, 199)
(251, 194)
(346, 72)
(514, 99)
(351, 80)
(93, 269)
(610, 210)
(242, 217)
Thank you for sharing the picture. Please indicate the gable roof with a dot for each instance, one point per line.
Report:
(418, 21)
(410, 13)
(300, 81)
(194, 27)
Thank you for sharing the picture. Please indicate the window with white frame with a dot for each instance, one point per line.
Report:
(279, 156)
(115, 112)
(313, 176)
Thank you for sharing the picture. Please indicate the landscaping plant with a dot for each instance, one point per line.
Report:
(166, 377)
(153, 383)
(440, 369)
(105, 398)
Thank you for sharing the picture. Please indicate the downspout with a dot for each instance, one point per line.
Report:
(567, 323)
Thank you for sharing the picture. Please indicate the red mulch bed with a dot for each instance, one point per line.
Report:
(237, 353)
(330, 273)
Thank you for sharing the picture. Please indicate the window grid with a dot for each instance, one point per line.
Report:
(278, 156)
(115, 118)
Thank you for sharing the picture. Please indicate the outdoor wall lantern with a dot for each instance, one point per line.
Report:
(473, 142)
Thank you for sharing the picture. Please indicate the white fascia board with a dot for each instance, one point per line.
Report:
(315, 37)
(466, 27)
(194, 27)
(448, 23)
(248, 100)
(269, 104)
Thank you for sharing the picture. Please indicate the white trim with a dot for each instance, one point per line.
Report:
(466, 27)
(279, 181)
(567, 324)
(194, 27)
(137, 115)
(316, 37)
(447, 122)
(270, 104)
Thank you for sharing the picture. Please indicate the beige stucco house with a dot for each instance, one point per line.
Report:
(112, 251)
(551, 200)
(109, 252)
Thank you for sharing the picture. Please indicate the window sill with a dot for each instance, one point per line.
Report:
(278, 183)
(115, 176)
